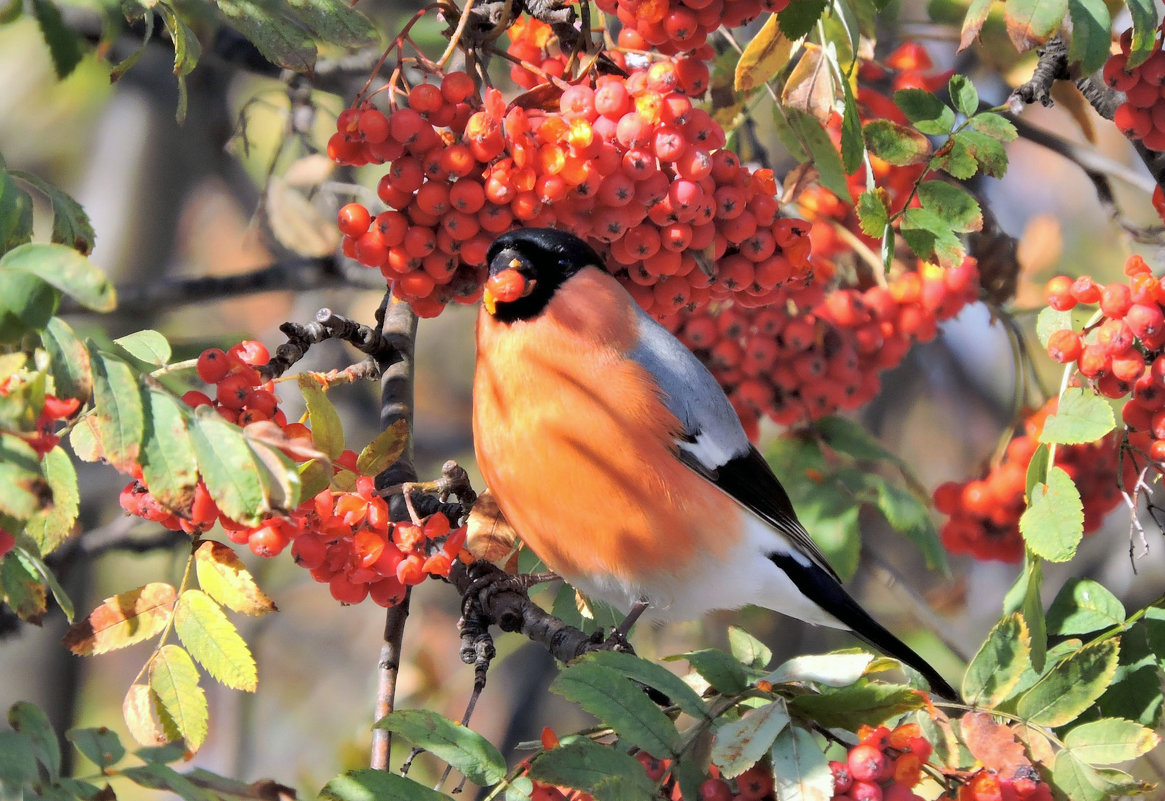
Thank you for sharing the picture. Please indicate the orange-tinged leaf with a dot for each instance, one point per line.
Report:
(223, 577)
(765, 56)
(138, 711)
(490, 536)
(811, 86)
(125, 619)
(973, 22)
(267, 432)
(182, 706)
(993, 744)
(385, 449)
(1032, 22)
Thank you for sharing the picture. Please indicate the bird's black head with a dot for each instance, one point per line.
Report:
(526, 268)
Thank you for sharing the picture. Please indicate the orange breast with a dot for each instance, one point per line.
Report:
(578, 448)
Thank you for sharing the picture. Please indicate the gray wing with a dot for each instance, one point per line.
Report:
(713, 442)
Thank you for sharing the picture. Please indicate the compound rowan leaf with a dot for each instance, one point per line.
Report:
(1081, 416)
(999, 664)
(739, 744)
(764, 56)
(119, 416)
(126, 618)
(222, 576)
(65, 269)
(139, 711)
(213, 641)
(466, 750)
(1053, 524)
(168, 463)
(799, 766)
(326, 429)
(181, 701)
(1071, 686)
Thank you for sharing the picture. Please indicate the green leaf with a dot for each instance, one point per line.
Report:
(15, 213)
(214, 641)
(27, 553)
(873, 211)
(807, 140)
(69, 362)
(23, 489)
(829, 670)
(65, 269)
(930, 115)
(909, 514)
(800, 767)
(740, 744)
(1084, 606)
(1032, 22)
(280, 40)
(1077, 781)
(1091, 37)
(930, 237)
(23, 588)
(1081, 416)
(958, 161)
(605, 772)
(26, 303)
(167, 457)
(853, 148)
(797, 19)
(64, 43)
(466, 750)
(335, 22)
(29, 720)
(719, 669)
(384, 450)
(174, 679)
(1053, 523)
(747, 649)
(619, 704)
(147, 345)
(229, 468)
(964, 97)
(377, 785)
(1071, 686)
(1037, 469)
(994, 125)
(326, 429)
(100, 746)
(279, 475)
(655, 676)
(987, 151)
(953, 204)
(71, 226)
(158, 776)
(973, 20)
(999, 664)
(17, 760)
(118, 410)
(896, 144)
(846, 436)
(1144, 42)
(1110, 740)
(865, 701)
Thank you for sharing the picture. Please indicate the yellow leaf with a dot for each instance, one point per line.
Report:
(182, 706)
(297, 224)
(214, 641)
(489, 535)
(138, 711)
(122, 620)
(811, 86)
(223, 577)
(764, 56)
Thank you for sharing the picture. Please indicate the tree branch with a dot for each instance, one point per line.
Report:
(394, 354)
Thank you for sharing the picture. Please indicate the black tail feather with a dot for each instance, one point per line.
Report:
(826, 592)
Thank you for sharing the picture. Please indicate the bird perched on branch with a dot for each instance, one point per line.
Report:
(618, 459)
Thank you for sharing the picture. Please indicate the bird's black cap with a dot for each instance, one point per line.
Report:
(545, 258)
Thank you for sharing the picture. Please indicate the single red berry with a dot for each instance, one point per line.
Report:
(353, 219)
(866, 762)
(755, 783)
(213, 365)
(715, 790)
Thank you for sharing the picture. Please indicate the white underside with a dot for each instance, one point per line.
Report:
(746, 577)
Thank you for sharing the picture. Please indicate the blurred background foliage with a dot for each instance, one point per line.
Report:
(240, 185)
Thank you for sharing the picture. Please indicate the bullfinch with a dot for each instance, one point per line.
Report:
(621, 463)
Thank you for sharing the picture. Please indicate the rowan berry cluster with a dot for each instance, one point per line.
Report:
(987, 785)
(984, 512)
(1142, 115)
(628, 164)
(530, 41)
(343, 537)
(822, 350)
(1123, 353)
(679, 26)
(885, 765)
